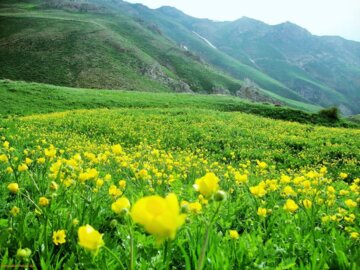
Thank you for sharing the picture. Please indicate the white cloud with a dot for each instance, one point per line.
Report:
(321, 17)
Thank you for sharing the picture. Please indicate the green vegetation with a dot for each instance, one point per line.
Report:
(20, 98)
(292, 190)
(96, 51)
(119, 46)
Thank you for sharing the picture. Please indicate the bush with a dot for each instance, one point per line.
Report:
(330, 113)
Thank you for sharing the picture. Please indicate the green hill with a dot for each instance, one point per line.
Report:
(21, 98)
(118, 46)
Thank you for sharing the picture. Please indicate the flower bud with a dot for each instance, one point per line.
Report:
(113, 223)
(220, 196)
(23, 253)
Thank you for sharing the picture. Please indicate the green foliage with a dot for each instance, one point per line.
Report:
(16, 98)
(330, 113)
(182, 145)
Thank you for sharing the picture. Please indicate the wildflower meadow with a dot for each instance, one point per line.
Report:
(177, 189)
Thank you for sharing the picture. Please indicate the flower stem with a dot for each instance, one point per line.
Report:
(206, 240)
(166, 252)
(116, 257)
(132, 261)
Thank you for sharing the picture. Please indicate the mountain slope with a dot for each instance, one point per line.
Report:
(117, 45)
(323, 70)
(93, 50)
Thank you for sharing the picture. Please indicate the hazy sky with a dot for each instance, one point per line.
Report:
(321, 17)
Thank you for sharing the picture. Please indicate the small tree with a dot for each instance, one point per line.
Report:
(330, 113)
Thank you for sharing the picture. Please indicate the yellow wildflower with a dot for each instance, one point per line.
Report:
(43, 201)
(122, 184)
(233, 234)
(13, 187)
(160, 216)
(207, 185)
(116, 149)
(290, 206)
(40, 160)
(15, 211)
(90, 239)
(350, 203)
(4, 158)
(354, 235)
(258, 191)
(307, 203)
(23, 167)
(121, 205)
(59, 237)
(28, 161)
(195, 207)
(288, 191)
(241, 178)
(262, 212)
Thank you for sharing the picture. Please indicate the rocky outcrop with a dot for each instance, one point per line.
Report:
(249, 90)
(155, 72)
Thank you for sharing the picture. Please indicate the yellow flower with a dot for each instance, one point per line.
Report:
(288, 191)
(90, 239)
(354, 235)
(290, 206)
(160, 216)
(233, 234)
(241, 178)
(262, 212)
(75, 221)
(50, 153)
(54, 186)
(28, 161)
(40, 160)
(307, 203)
(4, 158)
(262, 165)
(116, 149)
(343, 175)
(350, 203)
(13, 187)
(122, 184)
(6, 145)
(207, 185)
(99, 182)
(195, 207)
(258, 191)
(23, 167)
(59, 237)
(15, 211)
(43, 201)
(121, 205)
(114, 191)
(285, 179)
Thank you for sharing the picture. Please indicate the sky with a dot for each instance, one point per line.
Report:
(320, 17)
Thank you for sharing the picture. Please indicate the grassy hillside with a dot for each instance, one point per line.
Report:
(119, 46)
(93, 50)
(20, 98)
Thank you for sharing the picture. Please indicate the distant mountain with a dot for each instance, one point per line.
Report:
(324, 70)
(114, 44)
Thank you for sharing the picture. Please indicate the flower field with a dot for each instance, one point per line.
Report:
(177, 189)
